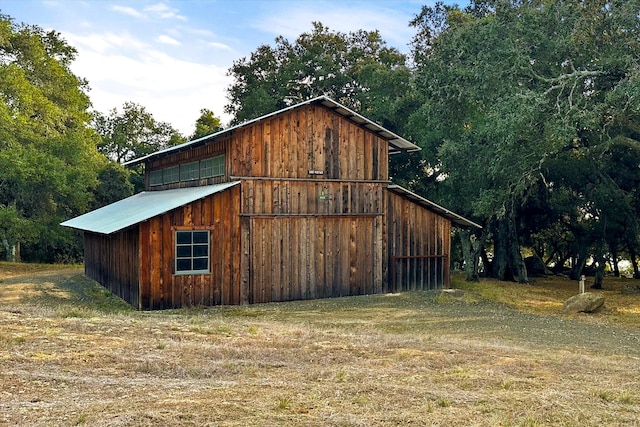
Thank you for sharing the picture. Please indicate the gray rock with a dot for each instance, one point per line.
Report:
(584, 303)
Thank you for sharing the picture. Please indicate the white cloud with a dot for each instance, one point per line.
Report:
(168, 40)
(393, 25)
(127, 11)
(165, 12)
(173, 90)
(217, 45)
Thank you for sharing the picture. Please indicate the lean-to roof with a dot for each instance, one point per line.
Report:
(141, 207)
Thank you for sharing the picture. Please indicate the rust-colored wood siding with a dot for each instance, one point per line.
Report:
(113, 261)
(309, 197)
(312, 257)
(160, 287)
(308, 142)
(418, 246)
(311, 142)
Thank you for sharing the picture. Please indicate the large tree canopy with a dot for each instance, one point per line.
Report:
(48, 159)
(133, 132)
(357, 69)
(519, 99)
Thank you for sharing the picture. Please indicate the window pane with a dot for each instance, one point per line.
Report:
(155, 177)
(192, 251)
(171, 174)
(200, 237)
(189, 171)
(183, 251)
(211, 167)
(183, 265)
(201, 264)
(200, 250)
(183, 237)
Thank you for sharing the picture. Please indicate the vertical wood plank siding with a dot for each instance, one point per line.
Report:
(312, 218)
(311, 138)
(162, 288)
(113, 261)
(418, 247)
(314, 257)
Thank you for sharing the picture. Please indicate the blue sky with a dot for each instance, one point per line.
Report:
(172, 56)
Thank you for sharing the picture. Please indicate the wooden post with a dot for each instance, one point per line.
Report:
(582, 284)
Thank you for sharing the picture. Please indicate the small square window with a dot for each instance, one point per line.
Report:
(192, 252)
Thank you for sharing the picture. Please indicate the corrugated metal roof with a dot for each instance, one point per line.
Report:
(397, 144)
(141, 207)
(454, 217)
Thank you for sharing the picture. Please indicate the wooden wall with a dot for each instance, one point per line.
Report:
(308, 142)
(160, 288)
(296, 196)
(310, 257)
(113, 261)
(418, 246)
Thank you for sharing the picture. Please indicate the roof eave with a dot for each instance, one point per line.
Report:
(452, 216)
(397, 144)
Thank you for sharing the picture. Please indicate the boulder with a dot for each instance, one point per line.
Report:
(584, 303)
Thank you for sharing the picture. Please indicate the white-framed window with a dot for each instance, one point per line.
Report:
(192, 251)
(171, 174)
(189, 171)
(213, 166)
(155, 177)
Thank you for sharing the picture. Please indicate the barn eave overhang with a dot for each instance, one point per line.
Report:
(452, 216)
(397, 144)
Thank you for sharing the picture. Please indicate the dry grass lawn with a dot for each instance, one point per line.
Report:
(489, 354)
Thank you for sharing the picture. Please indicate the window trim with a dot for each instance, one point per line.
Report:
(191, 257)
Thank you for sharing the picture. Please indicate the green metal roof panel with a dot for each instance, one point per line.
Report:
(141, 207)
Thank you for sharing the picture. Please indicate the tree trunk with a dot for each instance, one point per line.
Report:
(500, 264)
(634, 262)
(507, 262)
(601, 261)
(614, 262)
(579, 263)
(471, 248)
(518, 267)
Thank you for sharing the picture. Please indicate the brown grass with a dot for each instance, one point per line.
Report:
(71, 354)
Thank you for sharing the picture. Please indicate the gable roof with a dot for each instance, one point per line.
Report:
(452, 216)
(397, 144)
(141, 207)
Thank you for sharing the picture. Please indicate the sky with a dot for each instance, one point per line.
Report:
(172, 57)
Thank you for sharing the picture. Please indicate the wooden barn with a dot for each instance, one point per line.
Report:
(297, 204)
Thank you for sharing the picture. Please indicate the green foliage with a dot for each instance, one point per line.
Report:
(48, 159)
(133, 133)
(206, 124)
(356, 69)
(527, 104)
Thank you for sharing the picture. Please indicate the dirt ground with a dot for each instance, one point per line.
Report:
(72, 354)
